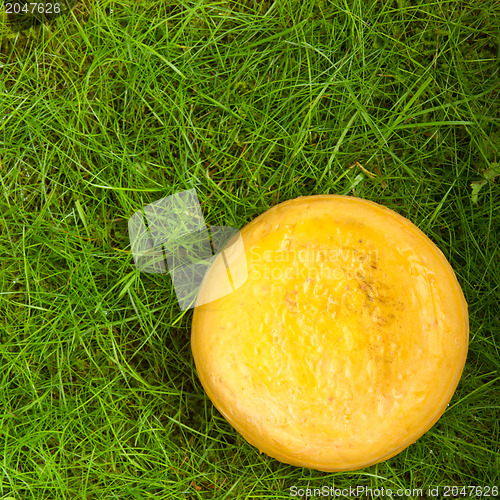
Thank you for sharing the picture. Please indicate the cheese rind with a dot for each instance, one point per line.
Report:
(346, 341)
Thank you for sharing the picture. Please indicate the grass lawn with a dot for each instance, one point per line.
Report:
(117, 104)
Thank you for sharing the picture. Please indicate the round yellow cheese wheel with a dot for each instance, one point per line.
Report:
(346, 340)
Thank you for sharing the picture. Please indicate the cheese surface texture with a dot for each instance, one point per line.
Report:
(346, 341)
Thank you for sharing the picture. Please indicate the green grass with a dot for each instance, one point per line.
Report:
(252, 103)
